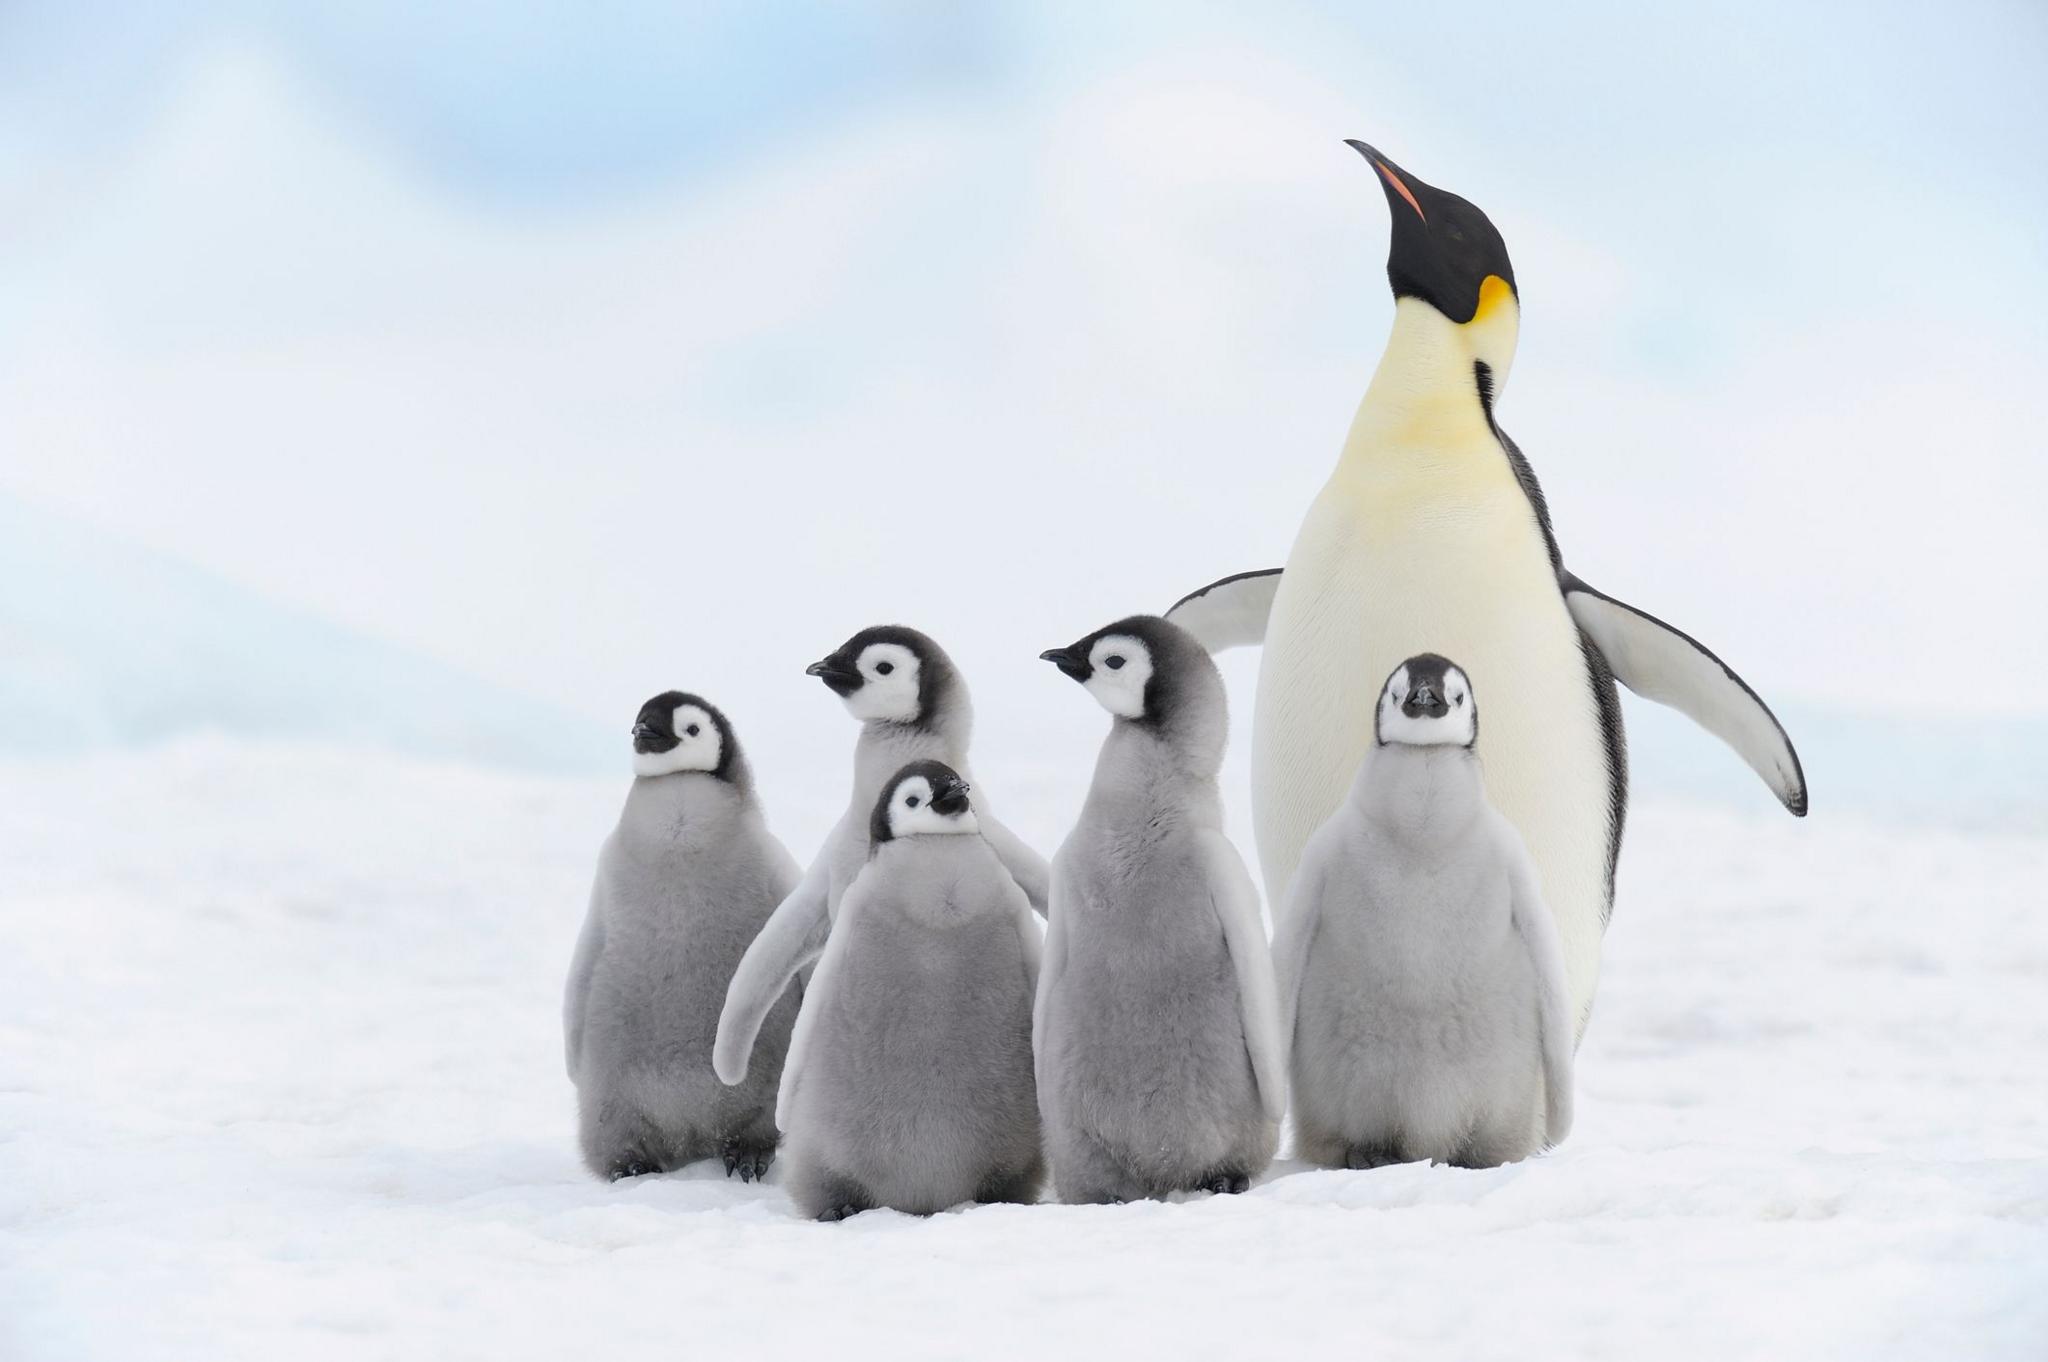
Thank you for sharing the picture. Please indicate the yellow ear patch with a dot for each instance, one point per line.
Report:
(1493, 291)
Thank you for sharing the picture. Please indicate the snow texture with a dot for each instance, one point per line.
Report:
(280, 1076)
(104, 643)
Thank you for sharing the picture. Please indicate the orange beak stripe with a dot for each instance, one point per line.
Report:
(1401, 189)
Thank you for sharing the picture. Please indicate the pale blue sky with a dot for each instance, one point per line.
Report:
(563, 346)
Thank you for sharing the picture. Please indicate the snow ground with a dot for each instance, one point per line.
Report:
(280, 1076)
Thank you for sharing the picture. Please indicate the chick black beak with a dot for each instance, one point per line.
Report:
(843, 680)
(1066, 660)
(648, 738)
(950, 798)
(1424, 702)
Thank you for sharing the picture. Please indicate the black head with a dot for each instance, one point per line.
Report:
(892, 674)
(1443, 249)
(1139, 668)
(1426, 701)
(915, 794)
(677, 719)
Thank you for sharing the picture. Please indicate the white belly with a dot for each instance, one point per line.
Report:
(1386, 567)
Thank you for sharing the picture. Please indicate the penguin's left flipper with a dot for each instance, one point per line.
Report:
(1236, 901)
(1231, 613)
(1664, 664)
(589, 946)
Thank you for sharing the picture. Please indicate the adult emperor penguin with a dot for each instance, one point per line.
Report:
(1432, 534)
(909, 1083)
(912, 705)
(683, 884)
(1157, 1030)
(1421, 983)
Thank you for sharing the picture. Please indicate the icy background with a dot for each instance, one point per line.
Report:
(390, 401)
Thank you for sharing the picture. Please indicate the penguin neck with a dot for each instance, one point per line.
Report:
(949, 868)
(1424, 796)
(1155, 777)
(1425, 393)
(885, 748)
(683, 807)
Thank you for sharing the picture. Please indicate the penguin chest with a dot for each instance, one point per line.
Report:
(1416, 560)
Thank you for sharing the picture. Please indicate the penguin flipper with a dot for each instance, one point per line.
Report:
(1026, 866)
(1556, 1033)
(1236, 901)
(1294, 934)
(575, 997)
(1671, 667)
(806, 1014)
(793, 937)
(1230, 613)
(1052, 964)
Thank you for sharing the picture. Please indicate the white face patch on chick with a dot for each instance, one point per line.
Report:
(698, 745)
(1427, 702)
(888, 685)
(1119, 669)
(915, 809)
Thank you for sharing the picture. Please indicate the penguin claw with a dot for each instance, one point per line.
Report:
(1360, 1157)
(1227, 1183)
(833, 1214)
(748, 1162)
(630, 1168)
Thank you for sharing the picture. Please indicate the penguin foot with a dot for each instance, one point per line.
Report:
(1011, 1188)
(1361, 1156)
(1225, 1182)
(630, 1167)
(842, 1199)
(749, 1161)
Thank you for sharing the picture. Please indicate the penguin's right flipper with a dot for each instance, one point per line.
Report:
(1556, 1032)
(826, 957)
(1294, 934)
(792, 938)
(1052, 963)
(1026, 866)
(1671, 667)
(1236, 901)
(1231, 613)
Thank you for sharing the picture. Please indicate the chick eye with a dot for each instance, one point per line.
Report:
(1459, 702)
(912, 801)
(884, 668)
(1114, 661)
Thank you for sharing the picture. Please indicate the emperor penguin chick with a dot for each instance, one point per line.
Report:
(1160, 1067)
(1422, 982)
(683, 884)
(912, 705)
(909, 1083)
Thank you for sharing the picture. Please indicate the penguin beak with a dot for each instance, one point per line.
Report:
(1390, 177)
(648, 738)
(843, 679)
(1066, 660)
(950, 798)
(1425, 703)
